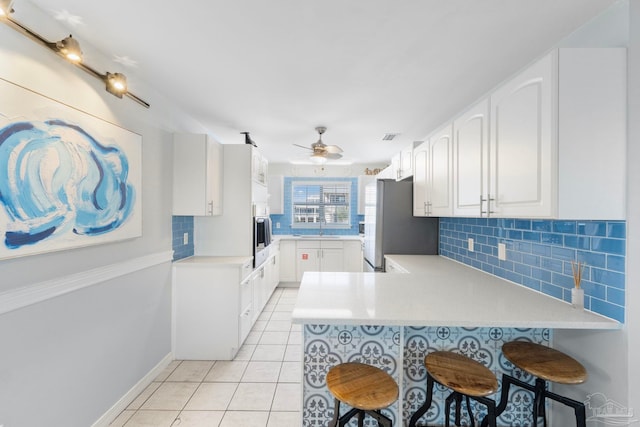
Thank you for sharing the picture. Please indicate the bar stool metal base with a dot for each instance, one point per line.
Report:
(540, 395)
(489, 419)
(341, 421)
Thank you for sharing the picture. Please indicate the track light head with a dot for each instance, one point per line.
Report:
(70, 49)
(116, 84)
(6, 8)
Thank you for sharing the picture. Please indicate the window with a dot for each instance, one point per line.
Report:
(321, 204)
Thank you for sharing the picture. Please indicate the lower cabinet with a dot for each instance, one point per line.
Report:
(215, 305)
(353, 256)
(287, 260)
(327, 255)
(393, 267)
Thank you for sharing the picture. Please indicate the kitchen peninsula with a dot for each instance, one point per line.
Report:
(393, 320)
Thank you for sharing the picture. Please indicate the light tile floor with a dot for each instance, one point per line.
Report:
(259, 388)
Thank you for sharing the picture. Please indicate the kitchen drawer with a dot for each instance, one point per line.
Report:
(317, 244)
(245, 323)
(247, 268)
(246, 293)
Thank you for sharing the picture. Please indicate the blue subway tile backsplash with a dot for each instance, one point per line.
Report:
(179, 226)
(539, 255)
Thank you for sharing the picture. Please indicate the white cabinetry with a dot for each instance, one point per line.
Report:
(402, 163)
(558, 137)
(288, 260)
(393, 267)
(548, 143)
(432, 177)
(353, 256)
(522, 164)
(259, 168)
(259, 284)
(232, 232)
(327, 255)
(197, 175)
(212, 308)
(471, 160)
(318, 255)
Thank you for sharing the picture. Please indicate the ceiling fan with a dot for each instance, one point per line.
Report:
(322, 152)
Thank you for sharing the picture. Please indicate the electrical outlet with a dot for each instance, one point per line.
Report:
(502, 251)
(277, 225)
(470, 245)
(185, 238)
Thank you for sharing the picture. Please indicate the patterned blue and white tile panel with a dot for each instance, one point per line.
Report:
(400, 351)
(326, 346)
(483, 345)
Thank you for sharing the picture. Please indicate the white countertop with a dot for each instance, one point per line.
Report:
(214, 261)
(436, 292)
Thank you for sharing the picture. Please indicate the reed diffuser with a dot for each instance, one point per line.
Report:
(577, 293)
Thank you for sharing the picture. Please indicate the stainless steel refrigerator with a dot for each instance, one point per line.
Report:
(391, 228)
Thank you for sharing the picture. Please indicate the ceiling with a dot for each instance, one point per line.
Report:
(362, 68)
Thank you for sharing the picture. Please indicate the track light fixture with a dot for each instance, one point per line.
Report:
(5, 8)
(69, 48)
(116, 84)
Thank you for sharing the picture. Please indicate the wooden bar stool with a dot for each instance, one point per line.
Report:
(365, 388)
(546, 364)
(466, 378)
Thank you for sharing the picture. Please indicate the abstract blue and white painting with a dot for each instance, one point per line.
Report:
(67, 179)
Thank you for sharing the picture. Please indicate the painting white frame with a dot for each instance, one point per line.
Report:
(19, 105)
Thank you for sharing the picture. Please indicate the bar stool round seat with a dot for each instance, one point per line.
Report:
(461, 374)
(546, 364)
(365, 388)
(466, 378)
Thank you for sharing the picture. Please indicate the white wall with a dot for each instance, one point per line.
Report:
(632, 327)
(67, 360)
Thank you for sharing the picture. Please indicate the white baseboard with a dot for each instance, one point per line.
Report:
(129, 397)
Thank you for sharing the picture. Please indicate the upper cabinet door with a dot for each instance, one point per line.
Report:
(441, 162)
(471, 161)
(259, 166)
(214, 177)
(421, 179)
(197, 175)
(523, 159)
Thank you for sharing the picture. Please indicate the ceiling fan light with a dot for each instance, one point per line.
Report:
(70, 49)
(318, 159)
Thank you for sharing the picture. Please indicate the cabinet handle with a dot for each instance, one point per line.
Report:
(210, 207)
(488, 200)
(246, 312)
(427, 208)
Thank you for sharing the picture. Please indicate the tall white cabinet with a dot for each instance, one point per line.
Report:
(197, 175)
(231, 234)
